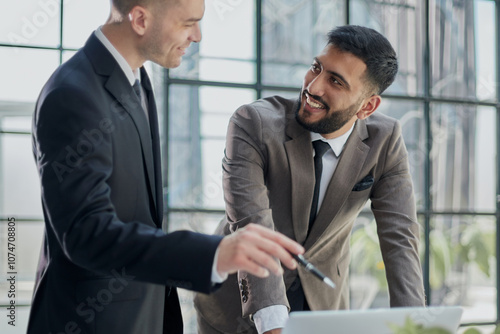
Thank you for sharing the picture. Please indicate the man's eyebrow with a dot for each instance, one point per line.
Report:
(335, 74)
(193, 19)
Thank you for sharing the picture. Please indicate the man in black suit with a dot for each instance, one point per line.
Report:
(106, 266)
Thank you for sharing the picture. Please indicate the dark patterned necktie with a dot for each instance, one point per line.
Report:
(137, 89)
(320, 147)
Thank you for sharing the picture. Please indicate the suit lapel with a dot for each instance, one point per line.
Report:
(299, 152)
(119, 87)
(343, 180)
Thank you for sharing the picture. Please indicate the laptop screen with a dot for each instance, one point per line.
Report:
(373, 321)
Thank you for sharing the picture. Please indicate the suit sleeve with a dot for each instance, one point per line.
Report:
(393, 205)
(247, 201)
(78, 208)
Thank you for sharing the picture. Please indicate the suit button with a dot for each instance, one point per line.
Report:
(245, 299)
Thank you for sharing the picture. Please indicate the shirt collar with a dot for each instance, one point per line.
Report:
(131, 75)
(337, 144)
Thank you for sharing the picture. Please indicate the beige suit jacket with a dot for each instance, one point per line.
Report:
(269, 180)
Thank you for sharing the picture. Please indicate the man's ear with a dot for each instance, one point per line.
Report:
(139, 18)
(369, 106)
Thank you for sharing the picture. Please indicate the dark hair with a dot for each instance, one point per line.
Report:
(372, 48)
(125, 6)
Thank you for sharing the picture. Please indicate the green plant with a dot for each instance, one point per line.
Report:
(474, 330)
(365, 254)
(476, 246)
(411, 327)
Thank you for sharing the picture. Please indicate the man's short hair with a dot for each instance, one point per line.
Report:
(373, 49)
(124, 6)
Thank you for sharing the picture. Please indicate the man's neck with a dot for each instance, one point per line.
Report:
(122, 38)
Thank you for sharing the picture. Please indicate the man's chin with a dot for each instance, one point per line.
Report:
(168, 63)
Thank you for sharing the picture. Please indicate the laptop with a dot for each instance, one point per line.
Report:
(373, 321)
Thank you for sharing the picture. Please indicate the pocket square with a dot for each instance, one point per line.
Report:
(363, 184)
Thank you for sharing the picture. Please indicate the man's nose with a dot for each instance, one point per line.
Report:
(316, 86)
(196, 33)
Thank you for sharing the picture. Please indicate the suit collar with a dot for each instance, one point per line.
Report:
(337, 144)
(300, 155)
(343, 180)
(294, 129)
(132, 75)
(100, 58)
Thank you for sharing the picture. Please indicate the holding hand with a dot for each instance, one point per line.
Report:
(254, 249)
(274, 331)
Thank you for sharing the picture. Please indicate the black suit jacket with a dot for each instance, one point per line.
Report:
(106, 266)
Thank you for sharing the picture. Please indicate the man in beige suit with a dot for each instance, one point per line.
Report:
(269, 179)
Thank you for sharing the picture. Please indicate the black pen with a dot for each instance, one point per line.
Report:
(313, 270)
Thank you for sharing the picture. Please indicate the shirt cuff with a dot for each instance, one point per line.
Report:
(216, 277)
(270, 317)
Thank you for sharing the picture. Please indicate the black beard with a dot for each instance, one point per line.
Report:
(330, 123)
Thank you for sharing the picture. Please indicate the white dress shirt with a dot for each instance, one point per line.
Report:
(275, 316)
(132, 75)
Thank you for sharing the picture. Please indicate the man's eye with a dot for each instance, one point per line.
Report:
(335, 81)
(315, 68)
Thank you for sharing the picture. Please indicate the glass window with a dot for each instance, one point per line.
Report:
(16, 123)
(287, 94)
(293, 33)
(367, 282)
(26, 64)
(462, 265)
(227, 50)
(410, 115)
(30, 22)
(486, 54)
(81, 18)
(66, 55)
(463, 158)
(198, 118)
(455, 172)
(407, 39)
(453, 56)
(20, 191)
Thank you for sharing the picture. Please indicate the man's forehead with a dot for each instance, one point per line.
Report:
(332, 56)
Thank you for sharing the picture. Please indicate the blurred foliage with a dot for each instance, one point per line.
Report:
(441, 258)
(366, 257)
(474, 330)
(411, 327)
(474, 246)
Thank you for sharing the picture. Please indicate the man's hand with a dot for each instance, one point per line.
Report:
(254, 249)
(274, 331)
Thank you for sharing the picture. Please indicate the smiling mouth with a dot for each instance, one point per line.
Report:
(313, 103)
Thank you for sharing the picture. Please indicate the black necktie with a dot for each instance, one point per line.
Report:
(137, 89)
(320, 147)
